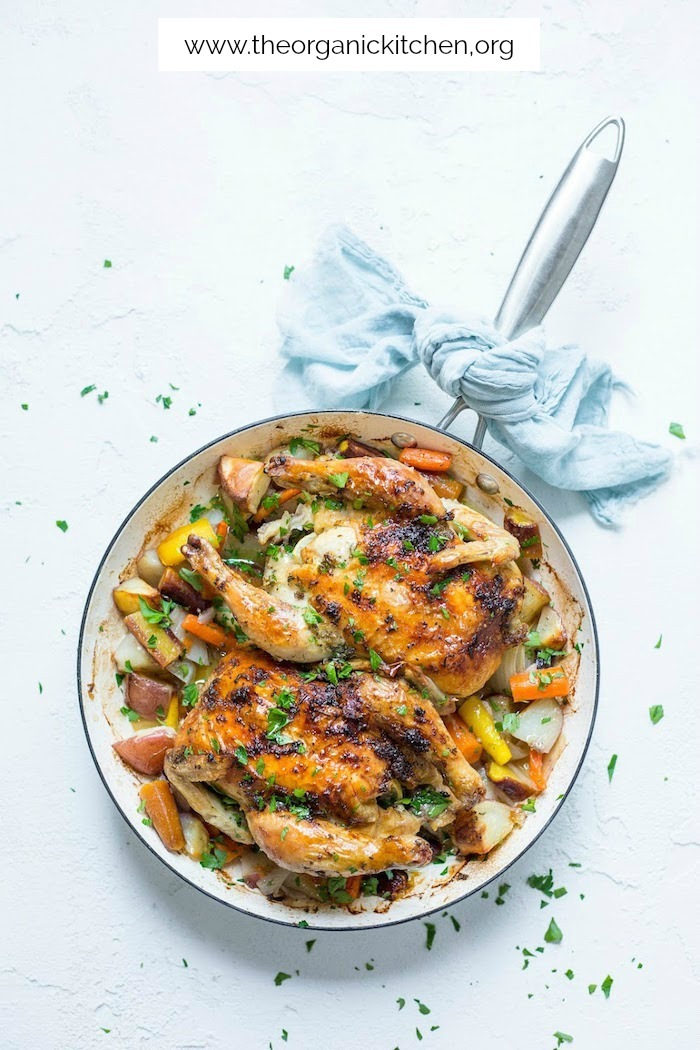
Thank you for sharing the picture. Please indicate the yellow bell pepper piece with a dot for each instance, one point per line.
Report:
(169, 550)
(173, 716)
(476, 714)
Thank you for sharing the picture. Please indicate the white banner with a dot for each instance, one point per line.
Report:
(347, 45)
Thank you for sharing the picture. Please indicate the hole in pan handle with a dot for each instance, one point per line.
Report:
(556, 241)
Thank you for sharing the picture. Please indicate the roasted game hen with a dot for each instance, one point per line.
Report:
(416, 579)
(314, 761)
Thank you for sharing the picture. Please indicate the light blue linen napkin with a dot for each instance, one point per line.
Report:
(350, 327)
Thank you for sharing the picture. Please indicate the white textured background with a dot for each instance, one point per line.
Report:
(200, 189)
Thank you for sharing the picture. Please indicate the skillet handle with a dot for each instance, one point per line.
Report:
(555, 244)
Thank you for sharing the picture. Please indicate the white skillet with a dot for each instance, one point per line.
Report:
(552, 250)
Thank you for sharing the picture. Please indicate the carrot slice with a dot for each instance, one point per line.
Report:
(233, 850)
(208, 632)
(536, 769)
(162, 812)
(283, 496)
(222, 531)
(539, 684)
(464, 740)
(426, 459)
(445, 486)
(353, 886)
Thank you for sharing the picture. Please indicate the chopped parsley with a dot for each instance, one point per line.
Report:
(611, 767)
(87, 390)
(677, 430)
(502, 890)
(606, 985)
(429, 934)
(656, 713)
(375, 660)
(426, 802)
(214, 859)
(288, 271)
(191, 577)
(241, 754)
(562, 1037)
(62, 525)
(300, 444)
(553, 934)
(311, 617)
(658, 644)
(190, 695)
(277, 719)
(281, 976)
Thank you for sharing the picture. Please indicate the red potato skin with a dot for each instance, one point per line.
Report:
(146, 754)
(145, 695)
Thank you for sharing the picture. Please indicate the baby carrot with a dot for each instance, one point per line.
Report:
(282, 497)
(426, 459)
(464, 739)
(539, 684)
(162, 812)
(536, 769)
(208, 632)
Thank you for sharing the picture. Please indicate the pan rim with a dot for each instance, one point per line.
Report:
(356, 928)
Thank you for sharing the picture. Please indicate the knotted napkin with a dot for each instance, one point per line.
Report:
(350, 326)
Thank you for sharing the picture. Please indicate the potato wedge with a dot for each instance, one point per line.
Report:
(169, 551)
(145, 751)
(126, 595)
(159, 642)
(551, 630)
(130, 656)
(479, 829)
(150, 567)
(511, 781)
(244, 481)
(534, 599)
(526, 531)
(147, 695)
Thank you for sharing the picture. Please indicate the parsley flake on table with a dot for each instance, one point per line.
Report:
(592, 988)
(606, 985)
(553, 934)
(62, 525)
(87, 390)
(310, 944)
(166, 402)
(455, 923)
(153, 439)
(502, 890)
(656, 713)
(677, 430)
(24, 406)
(107, 264)
(281, 976)
(401, 1002)
(288, 271)
(422, 1008)
(658, 644)
(184, 963)
(611, 766)
(562, 1037)
(430, 934)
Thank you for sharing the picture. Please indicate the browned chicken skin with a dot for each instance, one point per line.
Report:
(375, 480)
(407, 590)
(314, 757)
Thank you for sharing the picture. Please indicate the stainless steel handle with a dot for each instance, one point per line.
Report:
(555, 244)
